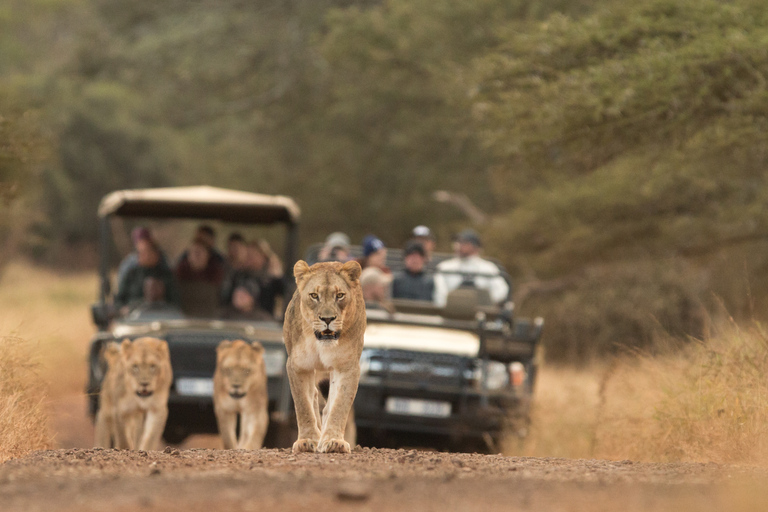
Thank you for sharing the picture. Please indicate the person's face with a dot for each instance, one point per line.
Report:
(414, 262)
(198, 257)
(148, 255)
(256, 258)
(242, 300)
(378, 258)
(206, 238)
(466, 249)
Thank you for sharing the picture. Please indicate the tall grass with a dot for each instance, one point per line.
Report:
(23, 419)
(701, 401)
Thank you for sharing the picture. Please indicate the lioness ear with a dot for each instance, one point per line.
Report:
(299, 269)
(222, 346)
(352, 269)
(126, 346)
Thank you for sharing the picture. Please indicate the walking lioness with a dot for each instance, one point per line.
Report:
(240, 387)
(323, 330)
(134, 395)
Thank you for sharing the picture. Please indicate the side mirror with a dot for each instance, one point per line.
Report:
(101, 314)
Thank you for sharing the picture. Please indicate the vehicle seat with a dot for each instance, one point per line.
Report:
(199, 299)
(462, 303)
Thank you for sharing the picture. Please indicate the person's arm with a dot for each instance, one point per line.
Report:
(440, 295)
(172, 294)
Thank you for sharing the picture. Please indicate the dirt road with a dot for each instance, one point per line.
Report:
(368, 479)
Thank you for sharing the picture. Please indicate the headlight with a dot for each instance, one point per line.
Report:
(274, 360)
(496, 376)
(492, 376)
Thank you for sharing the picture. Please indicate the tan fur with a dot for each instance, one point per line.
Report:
(329, 291)
(240, 370)
(134, 395)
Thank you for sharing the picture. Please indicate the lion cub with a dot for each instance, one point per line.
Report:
(134, 395)
(240, 387)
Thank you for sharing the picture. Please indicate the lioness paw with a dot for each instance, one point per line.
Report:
(334, 446)
(304, 445)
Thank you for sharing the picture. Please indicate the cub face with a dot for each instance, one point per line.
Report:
(239, 365)
(325, 292)
(147, 365)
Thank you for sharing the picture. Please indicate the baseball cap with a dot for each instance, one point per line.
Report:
(422, 231)
(371, 244)
(413, 247)
(469, 236)
(337, 239)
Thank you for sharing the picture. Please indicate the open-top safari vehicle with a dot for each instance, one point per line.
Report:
(195, 329)
(459, 376)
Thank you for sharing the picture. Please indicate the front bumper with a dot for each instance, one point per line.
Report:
(473, 414)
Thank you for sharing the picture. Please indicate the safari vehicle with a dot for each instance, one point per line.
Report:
(194, 330)
(459, 377)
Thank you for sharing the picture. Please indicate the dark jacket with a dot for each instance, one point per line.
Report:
(130, 289)
(407, 285)
(262, 287)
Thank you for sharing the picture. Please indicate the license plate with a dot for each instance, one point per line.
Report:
(194, 387)
(416, 407)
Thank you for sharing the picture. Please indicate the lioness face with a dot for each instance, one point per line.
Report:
(147, 360)
(239, 364)
(325, 293)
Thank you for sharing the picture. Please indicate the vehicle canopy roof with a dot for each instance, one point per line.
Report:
(201, 202)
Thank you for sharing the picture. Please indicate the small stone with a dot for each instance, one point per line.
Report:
(353, 491)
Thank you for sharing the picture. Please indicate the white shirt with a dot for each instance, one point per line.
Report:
(497, 287)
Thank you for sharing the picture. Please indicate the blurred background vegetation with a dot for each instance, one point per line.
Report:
(618, 149)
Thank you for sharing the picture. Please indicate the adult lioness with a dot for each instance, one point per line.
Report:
(323, 330)
(134, 395)
(240, 387)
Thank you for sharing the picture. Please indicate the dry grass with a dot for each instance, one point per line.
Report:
(703, 402)
(23, 419)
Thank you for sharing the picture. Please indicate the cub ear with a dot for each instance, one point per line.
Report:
(257, 347)
(126, 346)
(221, 347)
(352, 269)
(299, 269)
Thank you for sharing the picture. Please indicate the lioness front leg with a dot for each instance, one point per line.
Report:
(303, 391)
(154, 424)
(254, 429)
(340, 397)
(227, 422)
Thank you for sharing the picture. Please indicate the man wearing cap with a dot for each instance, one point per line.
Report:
(426, 238)
(374, 254)
(413, 283)
(468, 268)
(335, 248)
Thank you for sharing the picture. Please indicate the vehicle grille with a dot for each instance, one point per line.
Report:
(194, 353)
(418, 367)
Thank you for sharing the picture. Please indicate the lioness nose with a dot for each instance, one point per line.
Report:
(328, 319)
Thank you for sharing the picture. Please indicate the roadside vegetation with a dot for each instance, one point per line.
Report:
(23, 417)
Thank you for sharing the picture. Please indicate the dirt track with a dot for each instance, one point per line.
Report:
(368, 479)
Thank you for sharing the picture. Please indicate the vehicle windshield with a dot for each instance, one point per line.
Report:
(173, 269)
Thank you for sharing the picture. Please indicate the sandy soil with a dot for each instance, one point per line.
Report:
(367, 479)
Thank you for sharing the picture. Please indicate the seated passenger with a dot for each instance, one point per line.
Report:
(374, 254)
(413, 282)
(139, 235)
(257, 276)
(207, 235)
(198, 264)
(130, 289)
(154, 302)
(245, 305)
(237, 251)
(469, 269)
(424, 235)
(335, 248)
(375, 286)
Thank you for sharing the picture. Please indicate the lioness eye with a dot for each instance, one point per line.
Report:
(313, 295)
(340, 295)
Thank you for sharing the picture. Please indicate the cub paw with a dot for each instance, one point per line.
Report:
(304, 445)
(334, 446)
